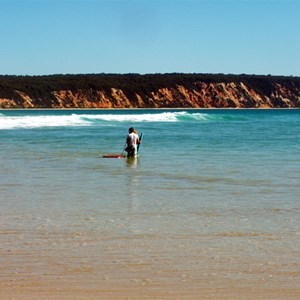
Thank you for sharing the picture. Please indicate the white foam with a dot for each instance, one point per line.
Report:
(15, 122)
(9, 122)
(155, 117)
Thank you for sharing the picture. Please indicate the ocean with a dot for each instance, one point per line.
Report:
(209, 210)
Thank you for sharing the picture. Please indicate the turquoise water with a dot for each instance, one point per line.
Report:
(201, 175)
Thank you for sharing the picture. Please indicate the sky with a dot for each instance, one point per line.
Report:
(42, 37)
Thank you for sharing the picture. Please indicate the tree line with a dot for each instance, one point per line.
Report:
(134, 83)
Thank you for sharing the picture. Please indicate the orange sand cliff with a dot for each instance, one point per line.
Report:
(149, 91)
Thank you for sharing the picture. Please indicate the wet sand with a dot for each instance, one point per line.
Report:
(82, 265)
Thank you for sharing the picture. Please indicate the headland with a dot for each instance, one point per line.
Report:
(174, 90)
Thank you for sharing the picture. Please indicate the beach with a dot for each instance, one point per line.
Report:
(149, 266)
(209, 209)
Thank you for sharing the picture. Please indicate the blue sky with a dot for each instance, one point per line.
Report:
(140, 36)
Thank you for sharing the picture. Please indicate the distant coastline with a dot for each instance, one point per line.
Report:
(150, 91)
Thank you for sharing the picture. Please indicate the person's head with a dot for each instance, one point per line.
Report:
(131, 129)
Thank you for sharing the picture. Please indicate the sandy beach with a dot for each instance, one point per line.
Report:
(83, 266)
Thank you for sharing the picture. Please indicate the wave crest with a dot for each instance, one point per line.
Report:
(106, 119)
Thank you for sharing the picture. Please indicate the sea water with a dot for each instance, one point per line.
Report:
(211, 202)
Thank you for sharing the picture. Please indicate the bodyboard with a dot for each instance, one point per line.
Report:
(111, 155)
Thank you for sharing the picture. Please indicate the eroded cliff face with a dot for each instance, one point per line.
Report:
(195, 94)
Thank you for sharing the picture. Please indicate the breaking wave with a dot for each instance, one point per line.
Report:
(108, 119)
(14, 122)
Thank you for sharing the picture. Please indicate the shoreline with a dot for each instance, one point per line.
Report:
(163, 108)
(147, 267)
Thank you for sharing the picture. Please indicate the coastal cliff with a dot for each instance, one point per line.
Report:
(149, 91)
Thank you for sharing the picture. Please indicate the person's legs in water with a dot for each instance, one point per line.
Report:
(131, 152)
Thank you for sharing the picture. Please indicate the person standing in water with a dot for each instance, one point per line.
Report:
(132, 142)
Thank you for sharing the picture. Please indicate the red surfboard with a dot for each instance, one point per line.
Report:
(113, 156)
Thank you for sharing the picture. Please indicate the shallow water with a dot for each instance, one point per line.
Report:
(210, 207)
